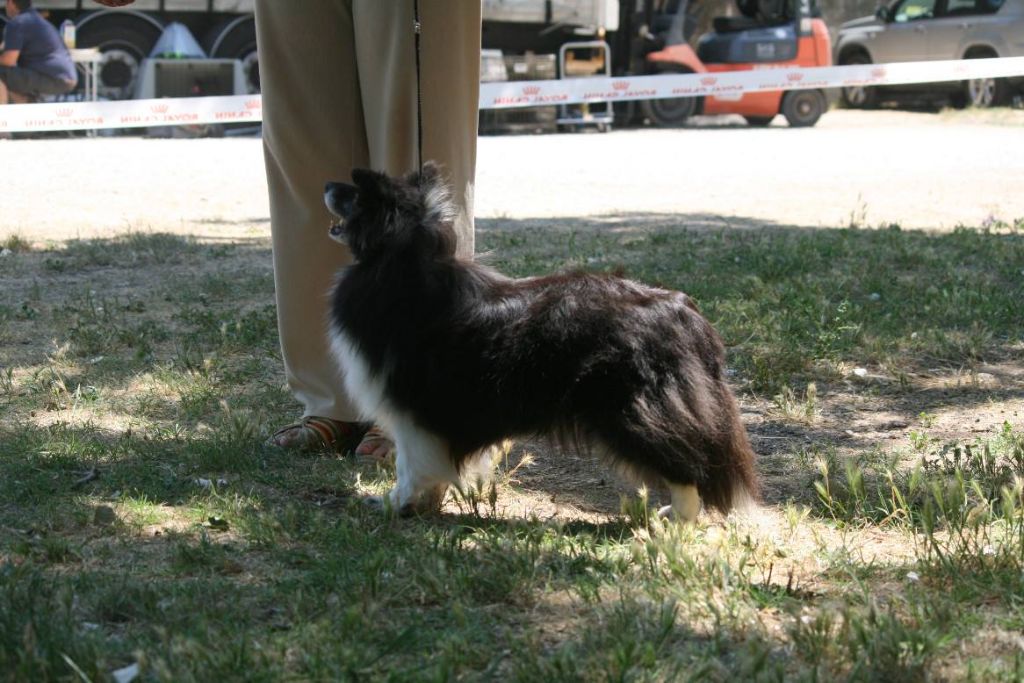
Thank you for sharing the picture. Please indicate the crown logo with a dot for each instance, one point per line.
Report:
(795, 77)
(531, 90)
(708, 80)
(64, 112)
(878, 73)
(159, 108)
(620, 85)
(253, 104)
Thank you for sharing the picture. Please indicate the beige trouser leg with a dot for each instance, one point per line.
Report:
(339, 92)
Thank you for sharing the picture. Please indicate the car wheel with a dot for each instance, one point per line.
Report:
(858, 97)
(803, 108)
(987, 92)
(759, 121)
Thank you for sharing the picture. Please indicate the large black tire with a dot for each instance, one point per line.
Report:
(670, 112)
(236, 39)
(125, 41)
(803, 108)
(858, 97)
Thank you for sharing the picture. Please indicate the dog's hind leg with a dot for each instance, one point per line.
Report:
(685, 503)
(668, 458)
(423, 467)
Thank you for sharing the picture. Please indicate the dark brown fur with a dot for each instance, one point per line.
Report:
(476, 357)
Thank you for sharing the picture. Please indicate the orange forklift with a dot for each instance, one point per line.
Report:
(654, 37)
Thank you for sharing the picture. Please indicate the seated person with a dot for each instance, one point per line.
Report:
(33, 59)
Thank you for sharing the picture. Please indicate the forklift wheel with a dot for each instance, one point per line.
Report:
(759, 121)
(670, 112)
(803, 108)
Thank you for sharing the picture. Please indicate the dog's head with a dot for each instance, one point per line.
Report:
(378, 214)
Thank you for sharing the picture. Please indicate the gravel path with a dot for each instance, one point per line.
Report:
(918, 170)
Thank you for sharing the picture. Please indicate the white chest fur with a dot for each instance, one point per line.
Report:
(366, 388)
(422, 464)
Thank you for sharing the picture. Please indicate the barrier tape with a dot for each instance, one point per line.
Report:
(513, 94)
(177, 111)
(731, 84)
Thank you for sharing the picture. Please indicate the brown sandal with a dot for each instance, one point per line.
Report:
(313, 433)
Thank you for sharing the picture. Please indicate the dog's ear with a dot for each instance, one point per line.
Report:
(340, 199)
(435, 194)
(439, 211)
(427, 176)
(372, 183)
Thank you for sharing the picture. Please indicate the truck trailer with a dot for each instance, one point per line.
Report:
(125, 36)
(636, 37)
(226, 29)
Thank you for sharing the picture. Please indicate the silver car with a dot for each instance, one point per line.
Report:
(919, 30)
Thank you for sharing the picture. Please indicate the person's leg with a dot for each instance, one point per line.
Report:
(450, 86)
(15, 90)
(322, 117)
(27, 85)
(5, 97)
(451, 101)
(313, 131)
(450, 90)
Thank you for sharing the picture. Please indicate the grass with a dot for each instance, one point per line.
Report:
(797, 304)
(143, 522)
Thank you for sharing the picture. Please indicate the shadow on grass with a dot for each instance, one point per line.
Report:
(289, 589)
(795, 304)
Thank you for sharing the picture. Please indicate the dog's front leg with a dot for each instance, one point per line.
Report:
(423, 467)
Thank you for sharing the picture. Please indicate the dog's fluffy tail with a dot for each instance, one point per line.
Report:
(731, 478)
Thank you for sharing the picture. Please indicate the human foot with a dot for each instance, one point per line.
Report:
(377, 446)
(313, 433)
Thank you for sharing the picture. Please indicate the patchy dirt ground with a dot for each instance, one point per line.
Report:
(920, 170)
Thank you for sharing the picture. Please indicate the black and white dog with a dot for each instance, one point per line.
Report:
(451, 357)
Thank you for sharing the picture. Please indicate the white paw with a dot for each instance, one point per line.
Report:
(669, 513)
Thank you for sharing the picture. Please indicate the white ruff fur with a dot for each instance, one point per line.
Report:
(423, 466)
